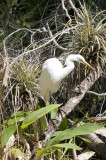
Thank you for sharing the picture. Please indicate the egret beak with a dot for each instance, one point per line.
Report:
(87, 64)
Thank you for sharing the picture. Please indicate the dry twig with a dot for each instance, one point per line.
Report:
(65, 9)
(75, 10)
(97, 94)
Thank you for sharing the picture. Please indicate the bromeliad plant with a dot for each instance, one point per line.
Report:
(89, 38)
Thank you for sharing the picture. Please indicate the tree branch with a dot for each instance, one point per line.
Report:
(97, 145)
(48, 41)
(87, 154)
(64, 8)
(54, 40)
(26, 144)
(97, 94)
(75, 10)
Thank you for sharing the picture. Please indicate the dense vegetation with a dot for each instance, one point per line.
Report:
(30, 32)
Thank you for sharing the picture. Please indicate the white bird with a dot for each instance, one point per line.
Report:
(53, 73)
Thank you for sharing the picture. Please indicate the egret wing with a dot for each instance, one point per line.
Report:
(45, 83)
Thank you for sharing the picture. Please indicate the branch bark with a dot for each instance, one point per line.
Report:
(64, 8)
(97, 145)
(97, 94)
(54, 40)
(86, 155)
(75, 10)
(26, 144)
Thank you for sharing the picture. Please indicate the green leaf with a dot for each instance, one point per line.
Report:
(7, 133)
(53, 113)
(64, 145)
(85, 140)
(16, 117)
(16, 152)
(40, 152)
(63, 124)
(13, 121)
(67, 145)
(68, 134)
(12, 2)
(32, 117)
(20, 114)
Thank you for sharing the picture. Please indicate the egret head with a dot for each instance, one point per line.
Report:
(78, 58)
(82, 60)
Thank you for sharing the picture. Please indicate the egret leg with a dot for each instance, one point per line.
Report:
(53, 100)
(60, 112)
(42, 102)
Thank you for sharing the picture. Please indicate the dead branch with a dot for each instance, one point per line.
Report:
(6, 65)
(54, 40)
(102, 134)
(64, 8)
(101, 131)
(26, 144)
(6, 72)
(49, 40)
(87, 154)
(97, 94)
(75, 10)
(101, 118)
(9, 144)
(97, 145)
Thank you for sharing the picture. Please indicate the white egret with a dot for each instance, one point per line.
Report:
(53, 73)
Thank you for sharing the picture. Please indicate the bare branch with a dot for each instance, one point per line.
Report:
(6, 72)
(82, 7)
(97, 94)
(20, 29)
(6, 66)
(87, 154)
(9, 144)
(97, 145)
(64, 8)
(64, 31)
(75, 10)
(26, 144)
(101, 131)
(101, 118)
(54, 40)
(74, 154)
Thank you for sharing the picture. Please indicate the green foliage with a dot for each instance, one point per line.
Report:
(85, 140)
(53, 113)
(10, 125)
(64, 124)
(7, 133)
(25, 74)
(27, 118)
(16, 152)
(67, 134)
(16, 118)
(32, 117)
(88, 37)
(59, 146)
